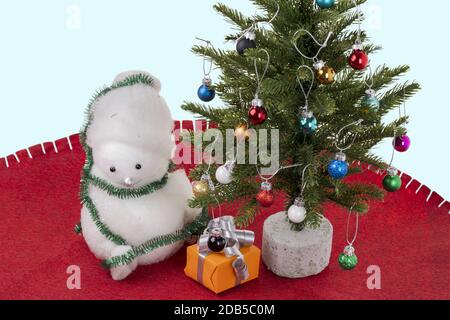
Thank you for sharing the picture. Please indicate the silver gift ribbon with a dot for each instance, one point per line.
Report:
(235, 240)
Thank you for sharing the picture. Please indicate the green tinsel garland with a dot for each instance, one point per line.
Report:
(78, 229)
(122, 193)
(195, 227)
(129, 81)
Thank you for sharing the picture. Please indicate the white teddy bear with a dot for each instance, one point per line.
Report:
(128, 195)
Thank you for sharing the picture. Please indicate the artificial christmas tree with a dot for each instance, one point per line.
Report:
(313, 126)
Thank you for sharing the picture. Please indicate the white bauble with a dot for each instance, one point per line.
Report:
(224, 174)
(297, 214)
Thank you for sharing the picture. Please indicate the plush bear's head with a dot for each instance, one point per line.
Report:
(130, 133)
(128, 166)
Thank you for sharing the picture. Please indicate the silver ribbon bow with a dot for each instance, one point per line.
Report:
(235, 239)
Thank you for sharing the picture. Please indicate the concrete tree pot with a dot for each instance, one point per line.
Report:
(292, 254)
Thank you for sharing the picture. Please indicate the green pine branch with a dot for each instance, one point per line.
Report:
(233, 16)
(247, 214)
(335, 105)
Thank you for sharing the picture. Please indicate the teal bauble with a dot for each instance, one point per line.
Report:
(370, 100)
(325, 4)
(308, 122)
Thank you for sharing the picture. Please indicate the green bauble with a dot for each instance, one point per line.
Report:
(392, 183)
(348, 262)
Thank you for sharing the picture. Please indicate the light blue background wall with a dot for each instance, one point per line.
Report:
(51, 62)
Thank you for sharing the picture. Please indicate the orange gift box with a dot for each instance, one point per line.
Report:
(215, 270)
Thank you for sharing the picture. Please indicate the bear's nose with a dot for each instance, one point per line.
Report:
(129, 182)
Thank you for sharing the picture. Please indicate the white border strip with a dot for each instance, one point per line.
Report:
(409, 183)
(70, 143)
(55, 147)
(417, 191)
(429, 196)
(43, 149)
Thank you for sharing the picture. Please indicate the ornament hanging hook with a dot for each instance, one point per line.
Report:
(304, 184)
(207, 177)
(350, 243)
(393, 148)
(306, 94)
(321, 45)
(276, 172)
(254, 25)
(273, 17)
(259, 78)
(336, 142)
(404, 105)
(360, 17)
(241, 101)
(206, 71)
(370, 86)
(219, 208)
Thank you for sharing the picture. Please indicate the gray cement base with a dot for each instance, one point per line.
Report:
(293, 254)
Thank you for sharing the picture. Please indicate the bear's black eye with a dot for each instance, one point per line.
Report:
(112, 169)
(138, 167)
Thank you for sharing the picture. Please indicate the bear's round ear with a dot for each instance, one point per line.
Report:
(122, 76)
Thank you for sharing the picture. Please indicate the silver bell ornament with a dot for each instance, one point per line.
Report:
(297, 212)
(224, 174)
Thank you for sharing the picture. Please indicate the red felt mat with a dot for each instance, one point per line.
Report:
(407, 236)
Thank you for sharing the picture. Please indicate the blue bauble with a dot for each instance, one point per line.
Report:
(309, 124)
(338, 169)
(370, 102)
(206, 93)
(325, 4)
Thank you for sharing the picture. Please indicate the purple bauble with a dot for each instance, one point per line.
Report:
(402, 143)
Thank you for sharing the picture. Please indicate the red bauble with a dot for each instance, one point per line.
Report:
(257, 115)
(358, 60)
(265, 198)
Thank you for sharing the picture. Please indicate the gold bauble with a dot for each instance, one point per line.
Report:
(325, 75)
(200, 188)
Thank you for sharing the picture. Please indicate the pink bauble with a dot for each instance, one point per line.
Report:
(402, 143)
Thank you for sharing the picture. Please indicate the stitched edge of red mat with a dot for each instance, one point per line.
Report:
(69, 143)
